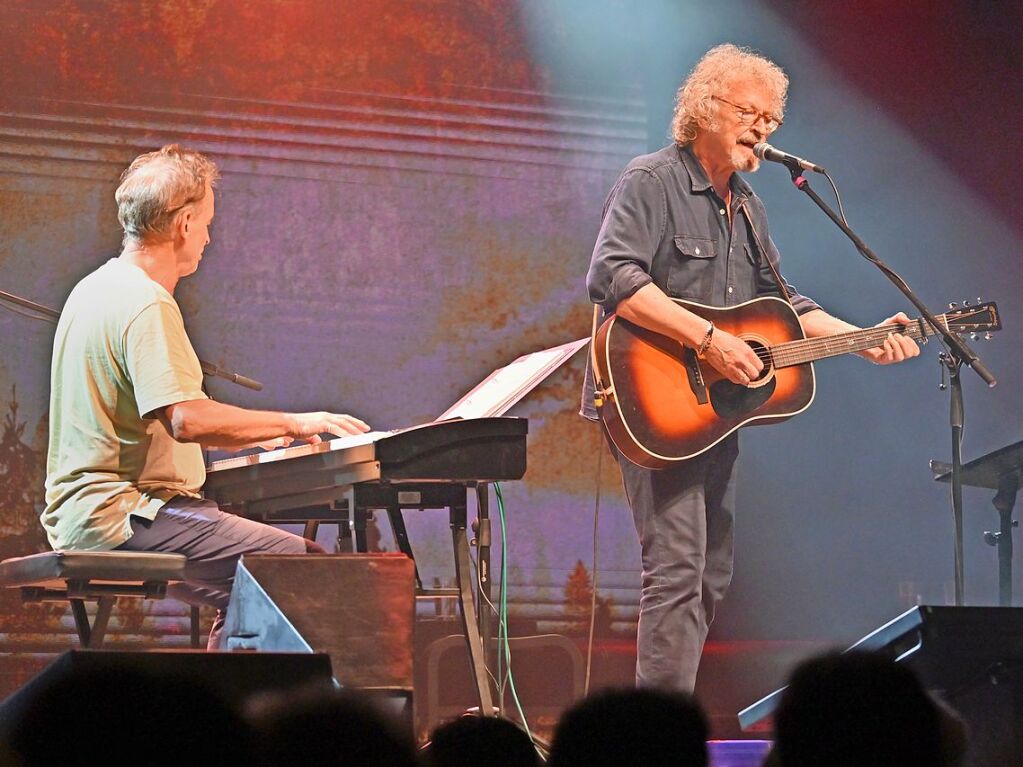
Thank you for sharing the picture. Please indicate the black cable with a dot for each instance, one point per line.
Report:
(593, 593)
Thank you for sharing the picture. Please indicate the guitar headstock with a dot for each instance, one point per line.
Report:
(976, 318)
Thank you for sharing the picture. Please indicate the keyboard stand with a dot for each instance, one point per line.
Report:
(394, 498)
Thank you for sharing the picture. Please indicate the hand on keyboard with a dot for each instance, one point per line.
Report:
(309, 426)
(273, 444)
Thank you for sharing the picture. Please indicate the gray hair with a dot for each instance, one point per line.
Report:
(719, 68)
(156, 186)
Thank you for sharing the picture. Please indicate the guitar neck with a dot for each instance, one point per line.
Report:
(810, 349)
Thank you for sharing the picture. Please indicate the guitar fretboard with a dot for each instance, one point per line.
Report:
(810, 349)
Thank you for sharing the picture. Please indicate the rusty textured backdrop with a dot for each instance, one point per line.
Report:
(410, 193)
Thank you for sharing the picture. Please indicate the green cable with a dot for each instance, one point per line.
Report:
(503, 643)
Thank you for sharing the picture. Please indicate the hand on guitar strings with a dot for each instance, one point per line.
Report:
(733, 358)
(896, 347)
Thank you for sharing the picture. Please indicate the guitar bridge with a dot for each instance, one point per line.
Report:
(695, 375)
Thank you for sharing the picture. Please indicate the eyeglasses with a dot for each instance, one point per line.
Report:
(749, 115)
(176, 208)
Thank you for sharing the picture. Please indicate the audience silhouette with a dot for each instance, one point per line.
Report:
(854, 709)
(839, 710)
(122, 716)
(631, 728)
(318, 728)
(470, 741)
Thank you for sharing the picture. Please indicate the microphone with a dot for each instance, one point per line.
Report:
(765, 151)
(208, 368)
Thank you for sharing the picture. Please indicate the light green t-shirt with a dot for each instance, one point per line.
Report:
(119, 354)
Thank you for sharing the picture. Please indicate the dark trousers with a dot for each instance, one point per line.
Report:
(213, 541)
(684, 517)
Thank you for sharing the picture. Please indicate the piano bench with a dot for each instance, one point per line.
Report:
(78, 576)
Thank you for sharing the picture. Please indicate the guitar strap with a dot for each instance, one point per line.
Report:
(763, 254)
(598, 384)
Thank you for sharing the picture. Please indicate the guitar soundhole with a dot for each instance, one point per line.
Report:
(731, 400)
(765, 355)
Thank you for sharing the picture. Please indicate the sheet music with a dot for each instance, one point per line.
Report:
(493, 396)
(498, 392)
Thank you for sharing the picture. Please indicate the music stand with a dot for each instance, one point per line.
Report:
(999, 470)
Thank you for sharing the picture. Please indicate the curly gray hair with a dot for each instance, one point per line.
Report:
(720, 67)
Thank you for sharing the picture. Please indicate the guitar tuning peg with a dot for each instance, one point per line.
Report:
(953, 305)
(978, 300)
(988, 336)
(966, 303)
(973, 336)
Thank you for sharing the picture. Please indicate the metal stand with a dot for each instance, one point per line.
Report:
(956, 418)
(393, 498)
(999, 470)
(470, 620)
(959, 353)
(955, 343)
(1003, 501)
(481, 527)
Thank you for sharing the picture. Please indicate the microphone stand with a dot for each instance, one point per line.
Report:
(958, 354)
(208, 368)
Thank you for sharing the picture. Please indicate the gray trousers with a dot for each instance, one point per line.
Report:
(213, 541)
(684, 517)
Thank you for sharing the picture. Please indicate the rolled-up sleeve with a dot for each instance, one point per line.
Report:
(633, 225)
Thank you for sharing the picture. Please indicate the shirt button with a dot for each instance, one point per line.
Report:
(722, 211)
(729, 288)
(697, 251)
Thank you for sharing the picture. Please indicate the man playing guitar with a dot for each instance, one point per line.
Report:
(680, 223)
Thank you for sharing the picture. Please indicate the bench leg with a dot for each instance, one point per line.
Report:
(92, 636)
(194, 624)
(81, 622)
(99, 624)
(312, 527)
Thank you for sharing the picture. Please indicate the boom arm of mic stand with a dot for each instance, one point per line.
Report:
(956, 344)
(208, 368)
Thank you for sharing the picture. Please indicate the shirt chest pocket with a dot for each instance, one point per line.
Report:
(692, 268)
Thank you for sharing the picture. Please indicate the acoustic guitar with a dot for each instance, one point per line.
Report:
(661, 405)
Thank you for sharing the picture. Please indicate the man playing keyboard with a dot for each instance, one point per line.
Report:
(128, 417)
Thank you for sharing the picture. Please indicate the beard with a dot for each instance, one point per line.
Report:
(744, 160)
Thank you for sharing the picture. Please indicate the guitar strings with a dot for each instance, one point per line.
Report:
(808, 349)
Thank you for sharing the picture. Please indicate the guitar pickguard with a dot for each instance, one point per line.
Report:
(731, 400)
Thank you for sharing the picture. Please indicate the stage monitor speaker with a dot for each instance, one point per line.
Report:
(549, 677)
(357, 608)
(235, 676)
(971, 657)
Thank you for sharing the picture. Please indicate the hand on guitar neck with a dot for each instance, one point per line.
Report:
(896, 346)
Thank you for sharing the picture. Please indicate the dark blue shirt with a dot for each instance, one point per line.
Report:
(664, 223)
